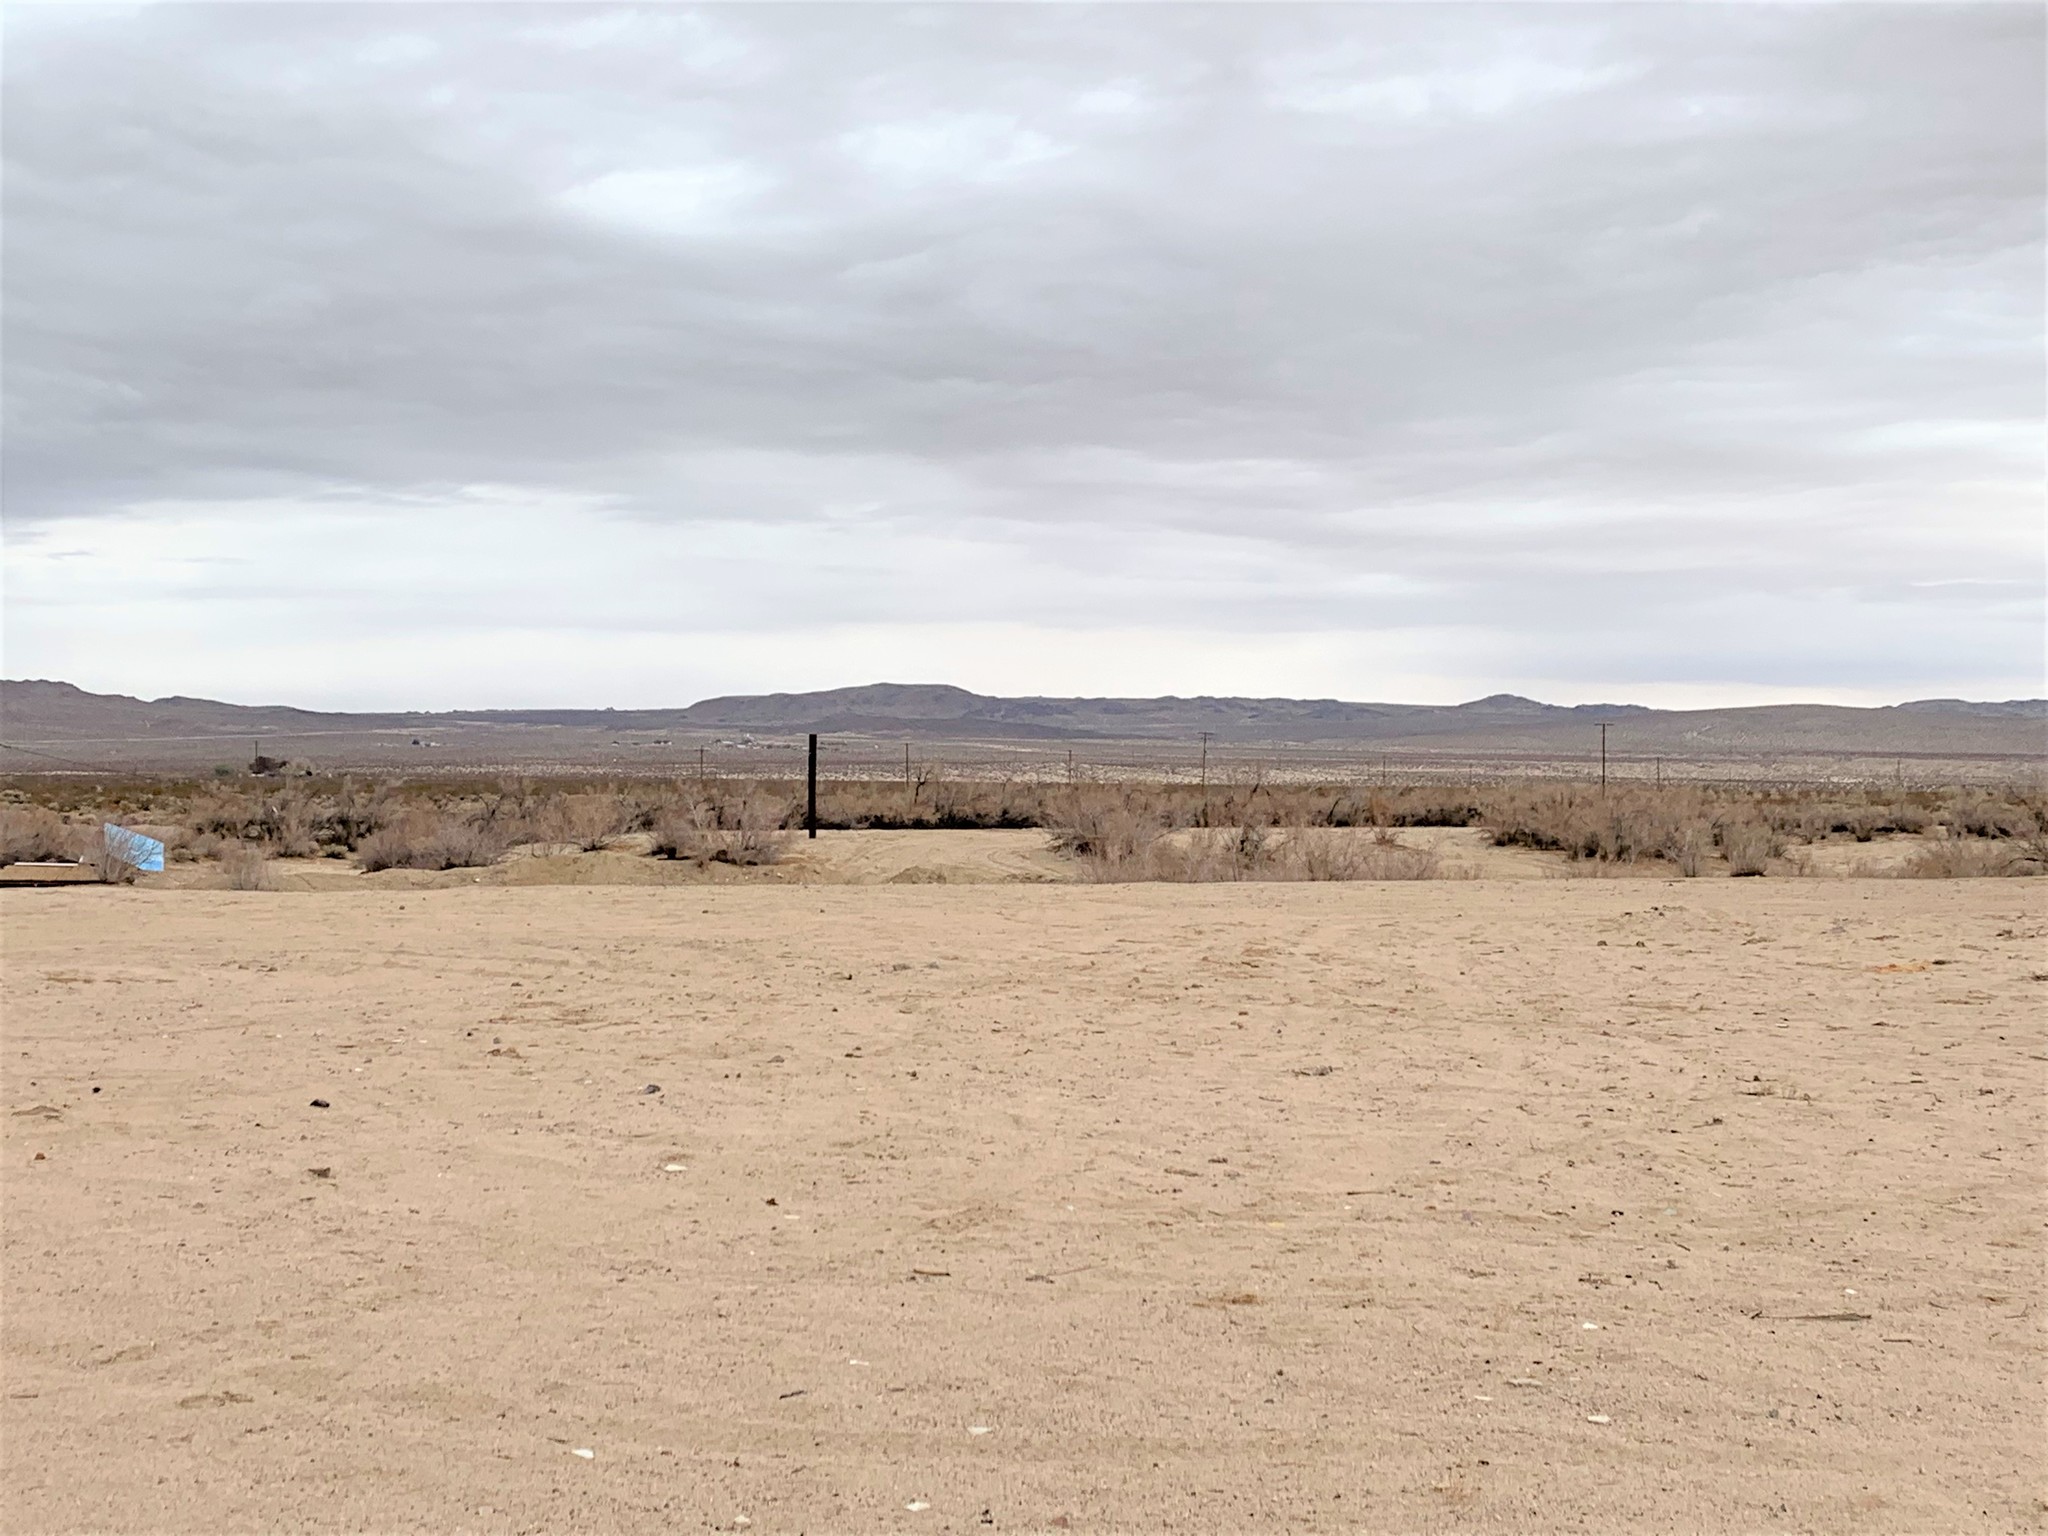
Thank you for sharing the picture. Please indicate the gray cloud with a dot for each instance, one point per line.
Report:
(1620, 345)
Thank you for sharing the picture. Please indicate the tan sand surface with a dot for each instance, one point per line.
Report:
(1473, 1205)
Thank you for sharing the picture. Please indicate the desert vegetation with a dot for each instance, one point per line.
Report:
(429, 838)
(246, 869)
(1111, 832)
(29, 833)
(1127, 836)
(709, 829)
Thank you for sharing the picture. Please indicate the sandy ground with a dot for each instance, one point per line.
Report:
(1586, 1205)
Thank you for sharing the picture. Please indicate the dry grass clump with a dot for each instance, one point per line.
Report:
(427, 839)
(748, 832)
(30, 834)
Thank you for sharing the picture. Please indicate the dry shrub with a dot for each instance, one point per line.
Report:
(427, 839)
(113, 855)
(587, 821)
(246, 869)
(1680, 826)
(1109, 830)
(284, 817)
(1977, 814)
(1319, 855)
(31, 834)
(1960, 859)
(1692, 847)
(355, 814)
(285, 820)
(184, 846)
(225, 815)
(1619, 826)
(1749, 845)
(927, 802)
(512, 809)
(703, 832)
(1117, 843)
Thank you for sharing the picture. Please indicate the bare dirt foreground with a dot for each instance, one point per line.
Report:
(1480, 1205)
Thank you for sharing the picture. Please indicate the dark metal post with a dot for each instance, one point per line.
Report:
(811, 804)
(1603, 755)
(1205, 757)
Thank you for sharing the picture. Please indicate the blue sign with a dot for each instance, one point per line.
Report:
(145, 853)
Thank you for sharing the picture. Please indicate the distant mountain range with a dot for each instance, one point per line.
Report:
(54, 714)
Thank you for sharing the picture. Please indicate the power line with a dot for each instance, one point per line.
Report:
(54, 758)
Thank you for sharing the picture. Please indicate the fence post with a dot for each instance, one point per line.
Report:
(811, 799)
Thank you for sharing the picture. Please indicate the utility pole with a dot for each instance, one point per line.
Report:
(1205, 757)
(906, 765)
(1660, 773)
(811, 805)
(1603, 757)
(1070, 765)
(700, 765)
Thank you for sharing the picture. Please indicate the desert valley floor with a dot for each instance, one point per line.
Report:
(1495, 1204)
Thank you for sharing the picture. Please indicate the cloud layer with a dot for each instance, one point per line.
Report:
(1658, 351)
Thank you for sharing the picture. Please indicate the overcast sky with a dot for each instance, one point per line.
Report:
(409, 355)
